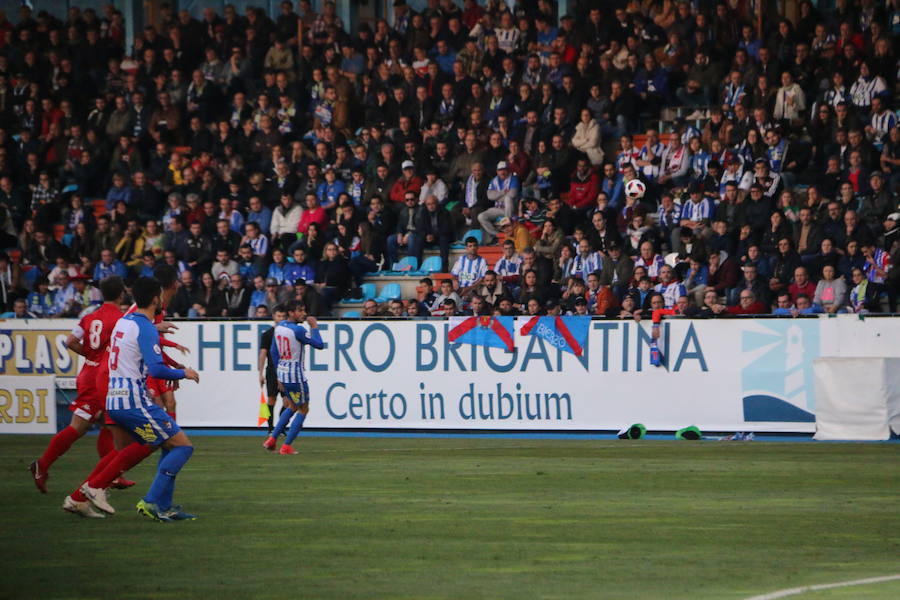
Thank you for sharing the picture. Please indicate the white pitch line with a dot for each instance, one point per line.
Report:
(825, 586)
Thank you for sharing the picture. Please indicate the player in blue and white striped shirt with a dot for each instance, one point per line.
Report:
(134, 353)
(469, 268)
(288, 347)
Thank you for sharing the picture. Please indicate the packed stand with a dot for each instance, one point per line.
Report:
(287, 158)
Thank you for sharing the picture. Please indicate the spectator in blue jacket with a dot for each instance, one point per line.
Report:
(300, 268)
(260, 214)
(329, 190)
(40, 301)
(109, 265)
(652, 85)
(120, 190)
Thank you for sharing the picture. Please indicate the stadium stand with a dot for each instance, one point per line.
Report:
(309, 153)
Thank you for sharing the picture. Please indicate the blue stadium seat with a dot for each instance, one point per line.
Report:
(390, 291)
(475, 233)
(432, 264)
(367, 292)
(352, 314)
(407, 264)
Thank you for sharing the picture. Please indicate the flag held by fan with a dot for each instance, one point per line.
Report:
(496, 332)
(568, 334)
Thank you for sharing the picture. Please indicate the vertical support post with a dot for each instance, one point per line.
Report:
(562, 9)
(347, 14)
(133, 12)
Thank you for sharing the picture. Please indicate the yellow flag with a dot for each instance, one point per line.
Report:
(264, 411)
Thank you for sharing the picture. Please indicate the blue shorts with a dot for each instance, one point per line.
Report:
(149, 425)
(298, 393)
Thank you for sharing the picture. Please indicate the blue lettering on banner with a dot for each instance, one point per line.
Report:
(331, 413)
(453, 349)
(691, 339)
(313, 365)
(496, 367)
(378, 405)
(532, 354)
(605, 328)
(488, 406)
(237, 345)
(363, 352)
(423, 346)
(341, 346)
(203, 344)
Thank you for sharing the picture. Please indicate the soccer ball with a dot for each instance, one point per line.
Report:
(635, 189)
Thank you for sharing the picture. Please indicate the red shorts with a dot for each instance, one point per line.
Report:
(91, 399)
(157, 387)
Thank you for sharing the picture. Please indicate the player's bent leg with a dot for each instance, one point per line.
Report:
(301, 408)
(131, 453)
(157, 504)
(168, 402)
(59, 445)
(105, 443)
(291, 400)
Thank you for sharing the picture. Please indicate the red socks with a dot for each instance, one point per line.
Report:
(105, 443)
(58, 446)
(171, 414)
(123, 460)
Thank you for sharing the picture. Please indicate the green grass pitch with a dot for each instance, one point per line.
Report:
(466, 518)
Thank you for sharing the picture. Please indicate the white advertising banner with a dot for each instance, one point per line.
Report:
(725, 375)
(27, 404)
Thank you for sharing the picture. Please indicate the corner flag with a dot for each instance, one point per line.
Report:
(264, 411)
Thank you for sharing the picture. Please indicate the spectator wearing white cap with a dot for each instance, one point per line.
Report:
(503, 191)
(407, 182)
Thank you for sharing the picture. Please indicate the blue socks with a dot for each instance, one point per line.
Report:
(294, 431)
(163, 485)
(283, 421)
(162, 454)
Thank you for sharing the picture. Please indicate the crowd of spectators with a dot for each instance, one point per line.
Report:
(271, 159)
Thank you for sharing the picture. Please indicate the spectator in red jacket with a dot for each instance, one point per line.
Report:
(584, 186)
(314, 213)
(408, 182)
(747, 305)
(801, 285)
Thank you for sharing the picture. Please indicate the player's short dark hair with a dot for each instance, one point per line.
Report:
(166, 275)
(471, 240)
(144, 290)
(278, 308)
(295, 305)
(112, 288)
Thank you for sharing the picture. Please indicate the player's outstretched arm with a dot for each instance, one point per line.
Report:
(148, 340)
(165, 327)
